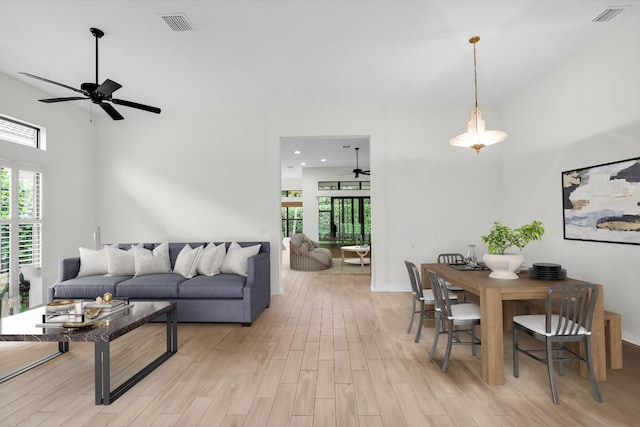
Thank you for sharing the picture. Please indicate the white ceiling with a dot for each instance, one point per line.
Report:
(302, 53)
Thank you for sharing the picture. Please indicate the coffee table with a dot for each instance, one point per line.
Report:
(362, 252)
(22, 327)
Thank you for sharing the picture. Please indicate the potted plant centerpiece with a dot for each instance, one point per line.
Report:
(500, 239)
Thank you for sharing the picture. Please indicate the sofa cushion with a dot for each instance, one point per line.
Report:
(321, 254)
(211, 259)
(120, 261)
(236, 260)
(88, 287)
(187, 262)
(150, 286)
(93, 262)
(218, 286)
(297, 239)
(152, 261)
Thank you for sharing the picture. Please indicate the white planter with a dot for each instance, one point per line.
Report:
(503, 266)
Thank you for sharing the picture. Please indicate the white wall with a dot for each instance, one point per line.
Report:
(585, 113)
(214, 175)
(68, 172)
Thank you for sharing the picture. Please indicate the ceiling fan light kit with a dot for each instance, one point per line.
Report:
(477, 136)
(100, 94)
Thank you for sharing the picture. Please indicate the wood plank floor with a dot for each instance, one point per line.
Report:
(328, 352)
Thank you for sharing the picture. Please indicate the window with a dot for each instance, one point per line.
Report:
(19, 133)
(344, 185)
(291, 219)
(20, 224)
(344, 219)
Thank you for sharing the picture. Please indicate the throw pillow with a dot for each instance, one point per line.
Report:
(93, 262)
(236, 260)
(187, 261)
(152, 262)
(211, 259)
(309, 243)
(120, 261)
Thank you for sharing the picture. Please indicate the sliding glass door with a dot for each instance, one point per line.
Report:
(345, 220)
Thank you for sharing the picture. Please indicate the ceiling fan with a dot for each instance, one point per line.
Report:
(357, 171)
(99, 94)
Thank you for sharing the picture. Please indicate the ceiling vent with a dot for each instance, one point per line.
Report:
(608, 14)
(177, 21)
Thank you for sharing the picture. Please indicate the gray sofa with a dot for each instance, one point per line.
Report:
(227, 298)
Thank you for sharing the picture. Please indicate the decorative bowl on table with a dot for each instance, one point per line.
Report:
(60, 306)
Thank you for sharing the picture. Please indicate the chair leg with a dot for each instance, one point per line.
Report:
(560, 351)
(437, 328)
(516, 356)
(421, 321)
(413, 315)
(473, 340)
(445, 364)
(592, 377)
(552, 380)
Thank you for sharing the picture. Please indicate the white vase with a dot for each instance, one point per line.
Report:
(503, 266)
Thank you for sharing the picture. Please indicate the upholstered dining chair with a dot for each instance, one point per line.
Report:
(454, 316)
(453, 258)
(422, 298)
(568, 318)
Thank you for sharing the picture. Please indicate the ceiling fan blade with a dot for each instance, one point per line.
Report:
(51, 81)
(71, 98)
(108, 87)
(365, 172)
(136, 105)
(112, 112)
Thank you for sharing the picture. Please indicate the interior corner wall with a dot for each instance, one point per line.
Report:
(67, 164)
(585, 113)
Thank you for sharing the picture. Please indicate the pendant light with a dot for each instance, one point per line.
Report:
(476, 136)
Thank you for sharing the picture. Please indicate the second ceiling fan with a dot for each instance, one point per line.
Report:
(100, 94)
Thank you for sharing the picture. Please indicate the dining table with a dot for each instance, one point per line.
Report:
(500, 300)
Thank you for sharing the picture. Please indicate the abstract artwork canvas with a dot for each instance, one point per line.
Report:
(602, 203)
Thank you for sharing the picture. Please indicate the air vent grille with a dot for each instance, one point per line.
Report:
(608, 14)
(177, 22)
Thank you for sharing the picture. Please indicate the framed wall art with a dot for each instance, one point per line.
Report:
(602, 203)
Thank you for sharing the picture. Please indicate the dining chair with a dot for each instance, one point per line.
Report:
(421, 299)
(453, 258)
(454, 316)
(568, 318)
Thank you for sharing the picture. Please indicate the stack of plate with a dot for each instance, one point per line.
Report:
(547, 271)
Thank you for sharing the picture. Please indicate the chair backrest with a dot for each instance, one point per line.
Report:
(451, 259)
(440, 292)
(414, 277)
(575, 303)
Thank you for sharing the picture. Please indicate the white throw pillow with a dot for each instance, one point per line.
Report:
(152, 262)
(236, 260)
(187, 261)
(211, 259)
(93, 262)
(120, 261)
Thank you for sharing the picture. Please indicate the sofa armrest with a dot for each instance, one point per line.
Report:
(259, 282)
(68, 268)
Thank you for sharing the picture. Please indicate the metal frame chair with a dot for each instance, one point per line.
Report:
(568, 318)
(421, 299)
(453, 258)
(453, 316)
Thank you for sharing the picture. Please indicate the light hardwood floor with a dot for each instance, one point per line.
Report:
(328, 352)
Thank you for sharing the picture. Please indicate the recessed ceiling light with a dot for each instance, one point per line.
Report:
(323, 160)
(303, 164)
(296, 152)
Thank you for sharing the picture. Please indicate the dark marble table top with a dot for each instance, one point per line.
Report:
(23, 326)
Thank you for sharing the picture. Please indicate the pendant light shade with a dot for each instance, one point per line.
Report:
(477, 136)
